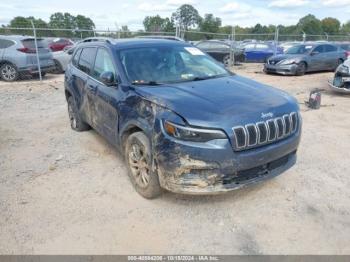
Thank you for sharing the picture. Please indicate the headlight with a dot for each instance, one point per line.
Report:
(192, 134)
(343, 69)
(287, 62)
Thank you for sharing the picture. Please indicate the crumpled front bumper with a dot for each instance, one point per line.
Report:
(337, 88)
(214, 167)
(281, 69)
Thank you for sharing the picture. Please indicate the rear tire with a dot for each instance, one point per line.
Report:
(75, 119)
(301, 69)
(138, 156)
(9, 72)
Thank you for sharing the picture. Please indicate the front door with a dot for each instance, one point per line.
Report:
(105, 103)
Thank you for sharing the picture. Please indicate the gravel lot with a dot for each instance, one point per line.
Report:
(63, 192)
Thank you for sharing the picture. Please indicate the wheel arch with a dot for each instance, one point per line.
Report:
(130, 128)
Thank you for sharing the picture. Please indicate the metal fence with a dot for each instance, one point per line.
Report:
(188, 35)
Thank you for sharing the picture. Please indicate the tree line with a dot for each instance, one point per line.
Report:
(186, 17)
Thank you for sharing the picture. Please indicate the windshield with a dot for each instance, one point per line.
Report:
(299, 49)
(168, 64)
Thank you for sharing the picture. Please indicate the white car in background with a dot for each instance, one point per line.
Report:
(61, 59)
(341, 80)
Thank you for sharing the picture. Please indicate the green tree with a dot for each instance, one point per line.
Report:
(153, 23)
(330, 25)
(158, 24)
(210, 23)
(345, 28)
(310, 25)
(25, 22)
(186, 16)
(63, 21)
(84, 23)
(125, 32)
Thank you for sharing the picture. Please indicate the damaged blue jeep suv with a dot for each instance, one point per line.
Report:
(183, 122)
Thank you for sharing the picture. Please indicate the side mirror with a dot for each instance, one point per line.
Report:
(314, 53)
(108, 78)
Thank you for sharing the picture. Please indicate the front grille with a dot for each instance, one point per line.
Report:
(256, 134)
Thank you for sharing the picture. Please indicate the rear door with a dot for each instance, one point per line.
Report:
(317, 59)
(82, 71)
(332, 56)
(105, 102)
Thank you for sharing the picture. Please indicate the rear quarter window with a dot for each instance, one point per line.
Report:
(4, 43)
(30, 43)
(86, 59)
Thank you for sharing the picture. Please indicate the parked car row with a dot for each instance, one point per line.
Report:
(309, 57)
(18, 57)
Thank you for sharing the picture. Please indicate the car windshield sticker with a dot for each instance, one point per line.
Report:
(194, 51)
(308, 47)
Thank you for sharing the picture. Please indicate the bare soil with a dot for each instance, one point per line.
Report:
(63, 192)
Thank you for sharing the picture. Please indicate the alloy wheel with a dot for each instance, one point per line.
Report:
(139, 165)
(8, 73)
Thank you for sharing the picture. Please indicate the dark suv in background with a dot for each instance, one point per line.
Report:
(183, 122)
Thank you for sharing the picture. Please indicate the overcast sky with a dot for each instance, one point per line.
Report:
(113, 13)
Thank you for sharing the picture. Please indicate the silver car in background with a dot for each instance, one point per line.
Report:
(18, 57)
(307, 57)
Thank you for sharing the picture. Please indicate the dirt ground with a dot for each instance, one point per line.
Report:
(63, 192)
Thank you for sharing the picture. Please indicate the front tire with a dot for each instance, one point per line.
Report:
(139, 161)
(75, 119)
(301, 69)
(8, 72)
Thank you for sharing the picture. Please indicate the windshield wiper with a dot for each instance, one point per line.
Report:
(200, 78)
(149, 83)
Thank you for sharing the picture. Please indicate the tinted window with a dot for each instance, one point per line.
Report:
(5, 43)
(299, 49)
(30, 43)
(330, 48)
(319, 49)
(345, 47)
(76, 58)
(86, 59)
(103, 63)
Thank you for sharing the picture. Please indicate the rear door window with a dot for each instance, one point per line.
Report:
(86, 59)
(330, 48)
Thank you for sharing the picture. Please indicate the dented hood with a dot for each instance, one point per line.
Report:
(222, 101)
